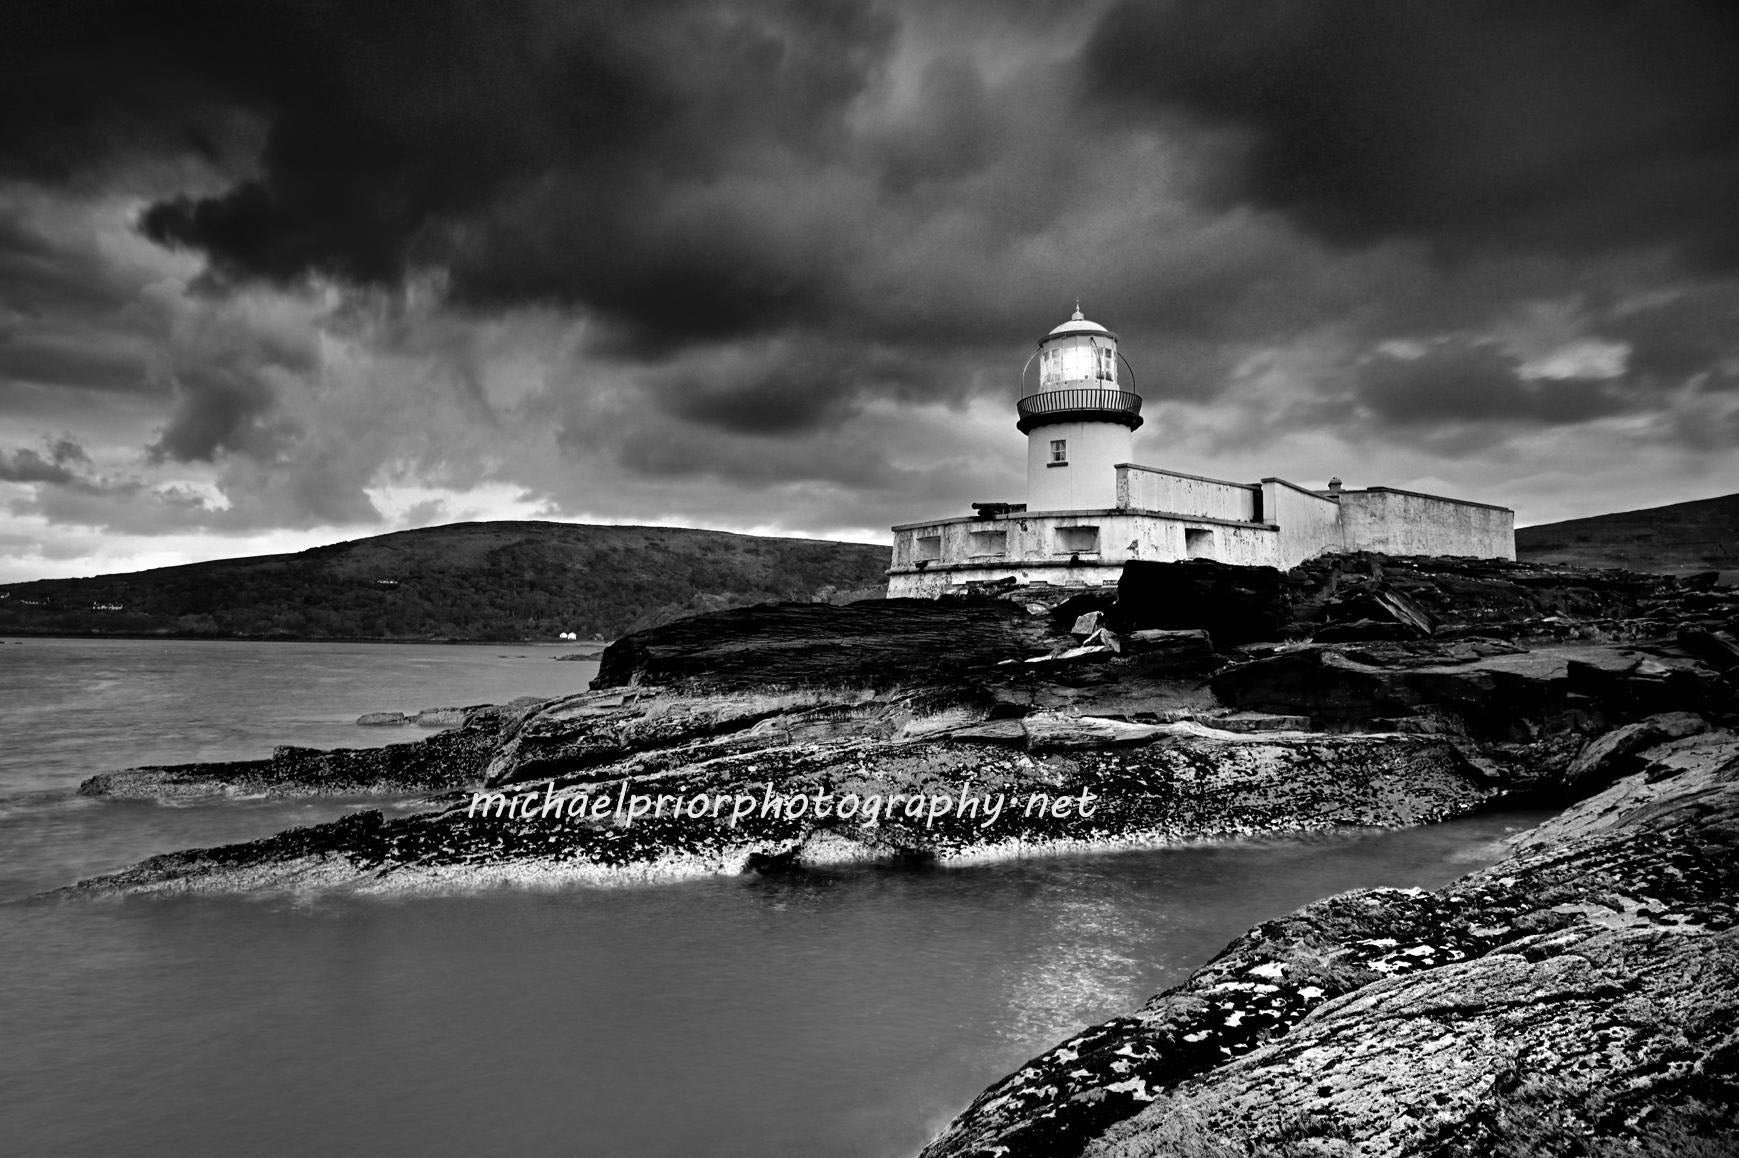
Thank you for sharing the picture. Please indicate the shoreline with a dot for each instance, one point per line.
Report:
(1492, 688)
(186, 637)
(320, 876)
(1179, 736)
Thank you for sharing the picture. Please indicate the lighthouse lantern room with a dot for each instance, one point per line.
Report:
(1079, 420)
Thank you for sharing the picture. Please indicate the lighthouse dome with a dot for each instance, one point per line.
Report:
(1078, 324)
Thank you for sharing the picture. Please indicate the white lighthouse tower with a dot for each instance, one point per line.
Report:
(1079, 421)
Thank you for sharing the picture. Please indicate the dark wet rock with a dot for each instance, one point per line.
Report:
(1653, 683)
(1367, 597)
(1370, 611)
(1065, 613)
(1179, 654)
(453, 759)
(1496, 692)
(441, 717)
(1427, 722)
(1452, 597)
(1619, 752)
(1232, 604)
(454, 717)
(875, 643)
(1333, 687)
(1579, 997)
(1719, 649)
(1258, 722)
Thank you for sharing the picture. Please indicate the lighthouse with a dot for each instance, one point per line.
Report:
(1091, 510)
(1078, 417)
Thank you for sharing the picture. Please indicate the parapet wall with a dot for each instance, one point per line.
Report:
(1309, 523)
(1146, 488)
(1408, 523)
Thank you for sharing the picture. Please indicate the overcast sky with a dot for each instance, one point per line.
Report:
(279, 273)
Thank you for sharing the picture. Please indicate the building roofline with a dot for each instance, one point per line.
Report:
(1423, 495)
(1299, 489)
(1007, 517)
(1113, 512)
(1226, 482)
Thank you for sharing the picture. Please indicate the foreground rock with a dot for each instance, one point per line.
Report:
(733, 782)
(878, 643)
(441, 763)
(1580, 997)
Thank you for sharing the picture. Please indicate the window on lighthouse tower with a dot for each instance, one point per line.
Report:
(1059, 450)
(1107, 364)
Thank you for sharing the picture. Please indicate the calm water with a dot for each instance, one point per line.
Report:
(70, 708)
(839, 1015)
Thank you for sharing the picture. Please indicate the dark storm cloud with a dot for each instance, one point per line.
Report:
(70, 361)
(1457, 382)
(534, 150)
(39, 276)
(1577, 124)
(1680, 336)
(219, 409)
(692, 259)
(56, 465)
(687, 452)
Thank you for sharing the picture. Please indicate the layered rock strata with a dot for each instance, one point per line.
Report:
(1173, 734)
(559, 802)
(1579, 997)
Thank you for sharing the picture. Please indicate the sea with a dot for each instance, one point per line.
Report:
(847, 1013)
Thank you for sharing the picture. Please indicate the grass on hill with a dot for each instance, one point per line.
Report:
(1679, 539)
(466, 581)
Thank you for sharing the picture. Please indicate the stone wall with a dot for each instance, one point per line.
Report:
(1147, 488)
(1396, 522)
(1309, 524)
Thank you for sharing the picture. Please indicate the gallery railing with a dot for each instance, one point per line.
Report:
(1089, 404)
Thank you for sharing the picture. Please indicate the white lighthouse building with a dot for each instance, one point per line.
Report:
(1090, 508)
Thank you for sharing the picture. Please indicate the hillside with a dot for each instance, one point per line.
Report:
(467, 581)
(1674, 540)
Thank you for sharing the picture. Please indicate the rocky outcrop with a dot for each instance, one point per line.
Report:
(561, 790)
(1496, 689)
(1579, 997)
(1620, 751)
(1364, 597)
(876, 644)
(453, 759)
(1179, 733)
(1233, 604)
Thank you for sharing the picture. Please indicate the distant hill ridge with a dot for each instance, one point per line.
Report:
(465, 581)
(1678, 539)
